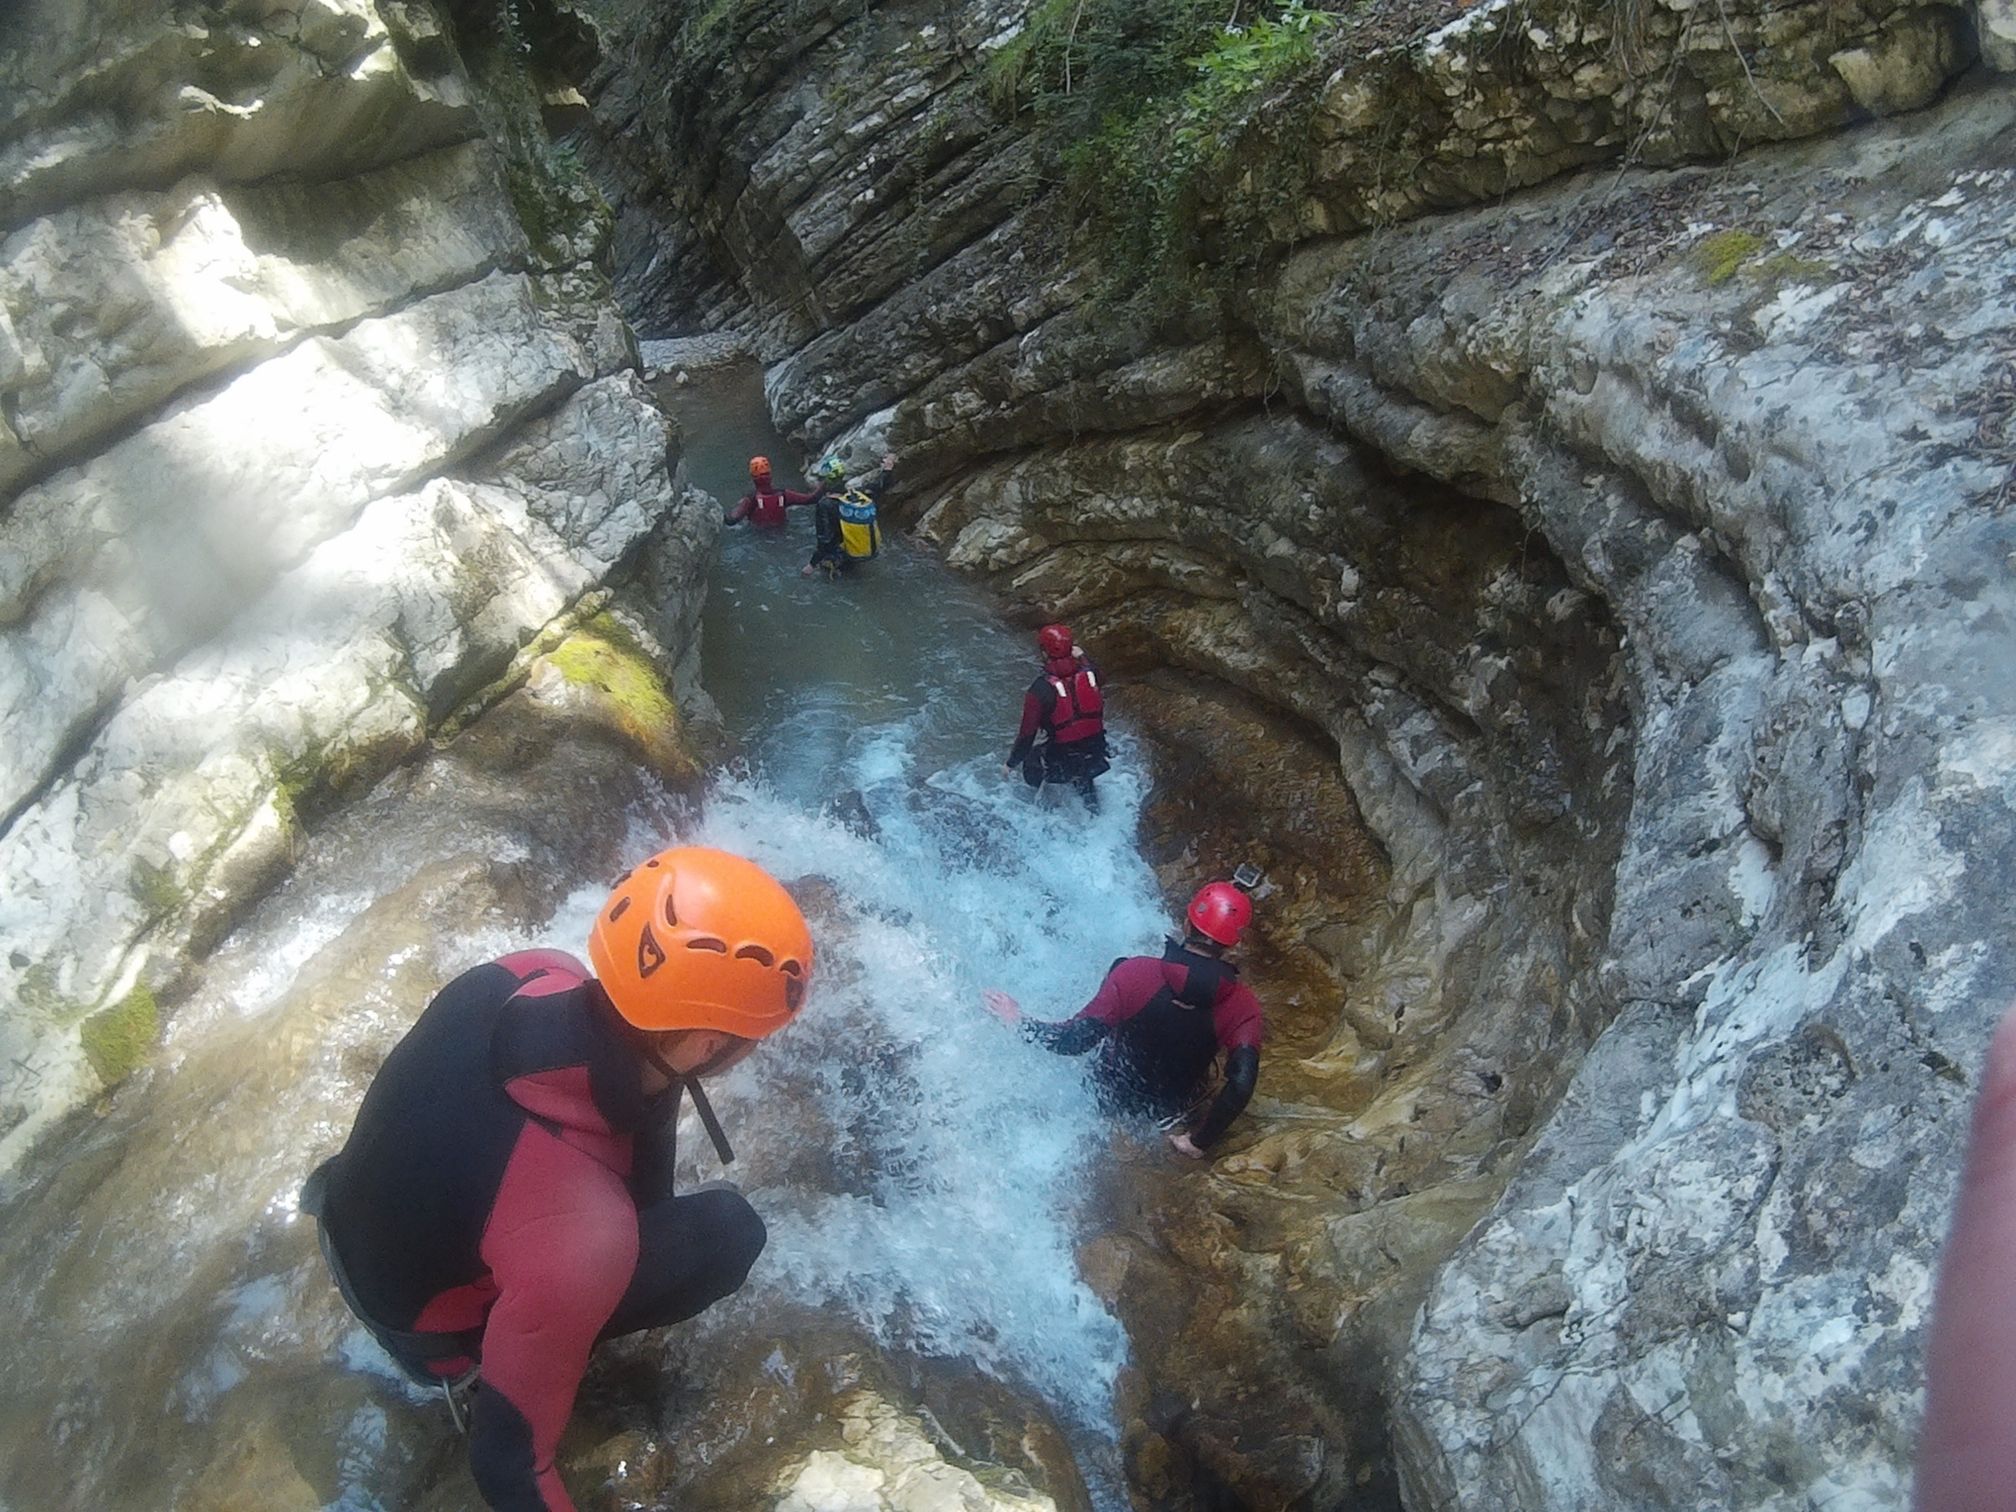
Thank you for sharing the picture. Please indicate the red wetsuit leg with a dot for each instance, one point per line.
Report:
(562, 1244)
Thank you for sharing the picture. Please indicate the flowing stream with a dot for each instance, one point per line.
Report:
(923, 1173)
(900, 685)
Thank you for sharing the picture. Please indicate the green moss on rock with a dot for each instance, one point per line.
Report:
(1789, 267)
(605, 659)
(602, 655)
(117, 1039)
(155, 888)
(1720, 256)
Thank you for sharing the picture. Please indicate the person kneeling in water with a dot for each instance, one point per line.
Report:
(845, 528)
(504, 1200)
(1160, 1024)
(1065, 706)
(764, 505)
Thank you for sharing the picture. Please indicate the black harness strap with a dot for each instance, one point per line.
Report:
(1206, 976)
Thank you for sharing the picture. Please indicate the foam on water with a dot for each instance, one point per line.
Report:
(961, 1240)
(950, 1211)
(968, 1149)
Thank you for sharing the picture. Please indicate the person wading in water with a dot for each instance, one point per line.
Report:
(764, 505)
(1066, 707)
(845, 526)
(1160, 1025)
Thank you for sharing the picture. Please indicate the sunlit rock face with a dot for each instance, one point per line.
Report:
(314, 411)
(1632, 551)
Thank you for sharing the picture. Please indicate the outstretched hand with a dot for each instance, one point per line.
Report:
(888, 461)
(1967, 1450)
(1002, 1006)
(1184, 1146)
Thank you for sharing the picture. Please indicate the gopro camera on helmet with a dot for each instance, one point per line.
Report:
(1247, 877)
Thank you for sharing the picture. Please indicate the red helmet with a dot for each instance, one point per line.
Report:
(759, 468)
(1055, 641)
(1220, 912)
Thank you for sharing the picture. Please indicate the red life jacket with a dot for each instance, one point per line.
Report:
(768, 509)
(1078, 712)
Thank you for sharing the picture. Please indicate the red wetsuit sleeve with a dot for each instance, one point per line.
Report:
(1126, 990)
(793, 496)
(561, 1244)
(526, 964)
(1237, 1018)
(1032, 721)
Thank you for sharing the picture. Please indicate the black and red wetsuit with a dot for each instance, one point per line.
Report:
(484, 1210)
(764, 507)
(1159, 1026)
(1064, 704)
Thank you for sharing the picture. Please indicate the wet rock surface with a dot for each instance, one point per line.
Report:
(162, 1272)
(1637, 546)
(317, 415)
(229, 1323)
(1587, 595)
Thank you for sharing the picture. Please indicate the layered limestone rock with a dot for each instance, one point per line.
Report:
(128, 93)
(301, 455)
(1637, 547)
(1708, 1282)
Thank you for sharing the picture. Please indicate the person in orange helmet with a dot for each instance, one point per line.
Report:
(504, 1200)
(764, 505)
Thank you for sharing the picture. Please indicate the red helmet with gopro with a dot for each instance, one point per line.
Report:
(1220, 912)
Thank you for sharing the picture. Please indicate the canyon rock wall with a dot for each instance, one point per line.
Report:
(315, 414)
(1634, 539)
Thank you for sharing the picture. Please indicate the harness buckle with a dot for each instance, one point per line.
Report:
(460, 1394)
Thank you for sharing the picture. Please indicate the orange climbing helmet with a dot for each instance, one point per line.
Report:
(1054, 641)
(698, 939)
(759, 469)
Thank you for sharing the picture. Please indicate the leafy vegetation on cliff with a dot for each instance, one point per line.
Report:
(515, 52)
(1145, 105)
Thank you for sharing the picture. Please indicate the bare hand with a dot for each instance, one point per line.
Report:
(1967, 1455)
(888, 461)
(1007, 770)
(1183, 1146)
(1002, 1006)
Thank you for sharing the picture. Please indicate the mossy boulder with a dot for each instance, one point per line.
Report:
(604, 675)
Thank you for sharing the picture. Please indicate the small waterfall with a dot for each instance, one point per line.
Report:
(973, 1145)
(924, 1173)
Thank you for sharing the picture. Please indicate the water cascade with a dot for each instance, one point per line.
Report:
(924, 1174)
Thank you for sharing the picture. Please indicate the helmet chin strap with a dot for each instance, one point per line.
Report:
(689, 1083)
